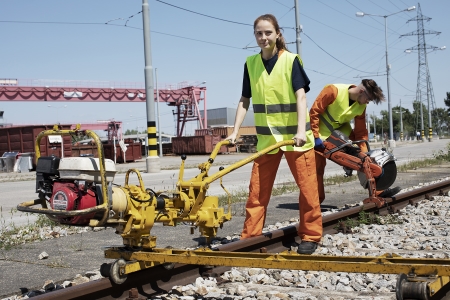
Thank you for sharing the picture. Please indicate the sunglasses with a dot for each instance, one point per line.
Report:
(367, 95)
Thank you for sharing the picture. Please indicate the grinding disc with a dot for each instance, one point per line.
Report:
(388, 177)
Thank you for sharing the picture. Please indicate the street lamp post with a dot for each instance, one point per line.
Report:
(391, 127)
(157, 108)
(374, 126)
(401, 121)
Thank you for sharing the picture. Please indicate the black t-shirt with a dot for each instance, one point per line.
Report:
(299, 77)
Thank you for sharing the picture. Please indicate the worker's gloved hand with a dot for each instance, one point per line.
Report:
(318, 144)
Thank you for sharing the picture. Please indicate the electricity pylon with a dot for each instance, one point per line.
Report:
(424, 86)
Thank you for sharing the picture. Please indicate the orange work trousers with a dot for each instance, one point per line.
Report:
(303, 168)
(321, 162)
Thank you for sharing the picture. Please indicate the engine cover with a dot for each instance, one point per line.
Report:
(67, 196)
(85, 168)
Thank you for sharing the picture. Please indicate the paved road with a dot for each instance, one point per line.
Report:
(23, 189)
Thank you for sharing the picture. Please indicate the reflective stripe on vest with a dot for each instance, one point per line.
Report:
(275, 103)
(339, 114)
(279, 130)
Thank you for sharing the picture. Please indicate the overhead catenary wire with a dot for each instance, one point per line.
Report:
(204, 15)
(120, 25)
(332, 55)
(401, 84)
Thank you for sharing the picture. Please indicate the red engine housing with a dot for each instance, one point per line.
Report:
(68, 196)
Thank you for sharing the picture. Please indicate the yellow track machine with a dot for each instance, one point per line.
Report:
(79, 191)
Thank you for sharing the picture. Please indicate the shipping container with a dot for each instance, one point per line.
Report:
(197, 144)
(224, 131)
(22, 138)
(133, 152)
(204, 131)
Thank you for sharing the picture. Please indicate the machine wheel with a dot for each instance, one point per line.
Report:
(105, 270)
(114, 272)
(410, 289)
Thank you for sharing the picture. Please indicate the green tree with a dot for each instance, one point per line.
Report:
(129, 132)
(447, 102)
(440, 119)
(418, 118)
(407, 119)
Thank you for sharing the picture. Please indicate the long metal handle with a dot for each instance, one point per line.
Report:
(247, 160)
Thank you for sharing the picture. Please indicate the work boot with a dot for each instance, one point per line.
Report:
(390, 192)
(307, 247)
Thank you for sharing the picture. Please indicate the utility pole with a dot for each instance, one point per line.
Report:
(401, 121)
(152, 161)
(298, 29)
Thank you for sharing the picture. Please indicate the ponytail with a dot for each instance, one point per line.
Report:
(281, 43)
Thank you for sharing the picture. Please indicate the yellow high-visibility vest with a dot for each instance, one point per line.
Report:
(275, 104)
(339, 114)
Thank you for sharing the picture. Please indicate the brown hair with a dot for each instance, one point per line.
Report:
(281, 43)
(374, 90)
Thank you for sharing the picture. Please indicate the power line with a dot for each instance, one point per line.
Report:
(334, 28)
(49, 22)
(376, 20)
(401, 84)
(191, 39)
(332, 55)
(208, 16)
(281, 3)
(119, 25)
(325, 74)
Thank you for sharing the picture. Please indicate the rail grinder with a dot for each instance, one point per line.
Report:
(376, 169)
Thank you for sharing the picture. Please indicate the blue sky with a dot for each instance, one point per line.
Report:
(190, 43)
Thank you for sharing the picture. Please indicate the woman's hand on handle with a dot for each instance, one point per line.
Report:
(300, 139)
(231, 138)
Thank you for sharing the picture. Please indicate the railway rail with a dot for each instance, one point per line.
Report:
(160, 279)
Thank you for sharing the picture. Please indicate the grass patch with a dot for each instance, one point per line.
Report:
(442, 156)
(12, 235)
(365, 218)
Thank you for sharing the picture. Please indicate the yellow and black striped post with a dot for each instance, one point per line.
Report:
(152, 141)
(430, 134)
